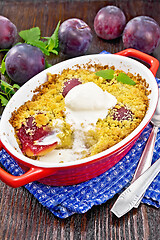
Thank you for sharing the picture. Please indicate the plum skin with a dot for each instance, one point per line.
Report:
(27, 141)
(75, 37)
(68, 85)
(122, 113)
(142, 33)
(24, 61)
(8, 33)
(109, 22)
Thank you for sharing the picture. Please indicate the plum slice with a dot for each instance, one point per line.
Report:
(122, 113)
(68, 85)
(29, 133)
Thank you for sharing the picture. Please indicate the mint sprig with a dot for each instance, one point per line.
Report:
(48, 45)
(7, 91)
(33, 37)
(53, 41)
(109, 74)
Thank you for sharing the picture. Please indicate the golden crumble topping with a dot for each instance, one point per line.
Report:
(48, 105)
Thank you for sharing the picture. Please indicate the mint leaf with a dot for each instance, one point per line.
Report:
(124, 78)
(3, 100)
(3, 67)
(53, 42)
(5, 85)
(16, 86)
(41, 45)
(4, 50)
(106, 74)
(54, 51)
(32, 34)
(47, 65)
(7, 88)
(8, 92)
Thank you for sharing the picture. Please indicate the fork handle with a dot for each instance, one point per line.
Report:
(127, 200)
(146, 158)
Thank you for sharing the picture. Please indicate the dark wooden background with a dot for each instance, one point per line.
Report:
(21, 215)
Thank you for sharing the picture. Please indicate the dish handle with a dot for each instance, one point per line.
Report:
(153, 62)
(33, 174)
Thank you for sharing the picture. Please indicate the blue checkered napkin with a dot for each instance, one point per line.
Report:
(65, 201)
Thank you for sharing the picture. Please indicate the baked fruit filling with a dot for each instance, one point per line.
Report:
(29, 133)
(78, 113)
(120, 113)
(68, 85)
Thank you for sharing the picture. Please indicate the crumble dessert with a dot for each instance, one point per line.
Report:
(84, 113)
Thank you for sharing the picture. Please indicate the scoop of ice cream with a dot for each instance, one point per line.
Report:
(87, 103)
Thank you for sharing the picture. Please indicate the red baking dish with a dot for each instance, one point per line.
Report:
(69, 173)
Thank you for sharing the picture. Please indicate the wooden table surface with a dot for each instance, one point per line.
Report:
(21, 215)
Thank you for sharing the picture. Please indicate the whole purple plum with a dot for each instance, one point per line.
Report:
(8, 33)
(24, 61)
(142, 33)
(75, 37)
(109, 22)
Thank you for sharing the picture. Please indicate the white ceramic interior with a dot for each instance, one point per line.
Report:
(25, 93)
